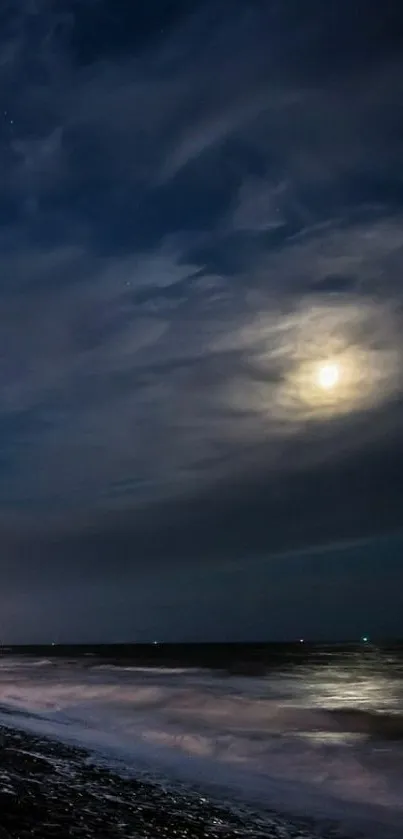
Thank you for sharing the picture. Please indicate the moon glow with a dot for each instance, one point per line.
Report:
(328, 375)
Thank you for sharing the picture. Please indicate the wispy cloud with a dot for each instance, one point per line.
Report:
(184, 229)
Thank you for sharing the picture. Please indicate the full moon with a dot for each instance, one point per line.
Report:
(328, 376)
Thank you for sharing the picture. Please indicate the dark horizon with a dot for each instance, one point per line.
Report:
(164, 646)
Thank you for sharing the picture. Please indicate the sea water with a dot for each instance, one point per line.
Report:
(318, 735)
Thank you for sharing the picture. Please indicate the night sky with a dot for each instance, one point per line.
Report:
(201, 319)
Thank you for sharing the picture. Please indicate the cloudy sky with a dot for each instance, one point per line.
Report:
(201, 220)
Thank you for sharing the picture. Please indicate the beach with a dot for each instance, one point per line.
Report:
(49, 789)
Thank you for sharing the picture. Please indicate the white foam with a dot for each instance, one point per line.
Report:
(165, 671)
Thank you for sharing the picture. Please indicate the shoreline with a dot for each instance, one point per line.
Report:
(50, 789)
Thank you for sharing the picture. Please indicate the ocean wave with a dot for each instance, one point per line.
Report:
(165, 671)
(211, 726)
(385, 726)
(198, 700)
(23, 663)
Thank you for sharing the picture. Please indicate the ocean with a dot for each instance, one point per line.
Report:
(308, 734)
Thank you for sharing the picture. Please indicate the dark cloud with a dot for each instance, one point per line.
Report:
(199, 206)
(334, 283)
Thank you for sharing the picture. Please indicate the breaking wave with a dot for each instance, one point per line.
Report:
(287, 738)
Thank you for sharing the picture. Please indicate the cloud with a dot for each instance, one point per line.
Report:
(150, 115)
(196, 211)
(258, 206)
(183, 236)
(334, 284)
(131, 404)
